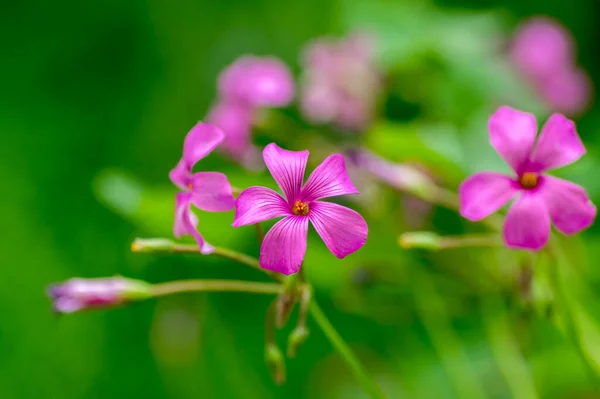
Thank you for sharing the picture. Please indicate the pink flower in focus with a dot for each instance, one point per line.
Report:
(544, 52)
(540, 198)
(209, 191)
(79, 294)
(340, 83)
(343, 230)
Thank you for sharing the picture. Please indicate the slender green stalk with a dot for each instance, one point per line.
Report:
(245, 260)
(177, 287)
(346, 353)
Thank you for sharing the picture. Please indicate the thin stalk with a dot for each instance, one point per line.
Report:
(470, 240)
(346, 353)
(177, 287)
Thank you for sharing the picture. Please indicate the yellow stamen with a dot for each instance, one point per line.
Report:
(529, 180)
(300, 208)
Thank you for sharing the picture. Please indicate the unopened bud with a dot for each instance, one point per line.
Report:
(275, 363)
(420, 239)
(79, 294)
(152, 245)
(296, 338)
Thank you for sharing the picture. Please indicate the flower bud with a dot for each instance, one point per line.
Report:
(296, 338)
(420, 239)
(275, 363)
(79, 294)
(152, 245)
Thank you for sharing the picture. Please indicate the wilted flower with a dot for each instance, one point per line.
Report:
(544, 52)
(340, 83)
(209, 191)
(540, 198)
(343, 230)
(79, 294)
(246, 86)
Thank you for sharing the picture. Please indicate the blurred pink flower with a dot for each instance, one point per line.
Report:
(340, 82)
(540, 198)
(79, 294)
(247, 85)
(343, 230)
(209, 191)
(544, 52)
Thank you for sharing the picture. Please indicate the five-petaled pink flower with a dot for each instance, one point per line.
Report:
(343, 230)
(209, 191)
(540, 198)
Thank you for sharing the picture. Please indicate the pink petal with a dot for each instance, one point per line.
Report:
(484, 193)
(527, 223)
(181, 175)
(343, 230)
(568, 90)
(329, 179)
(186, 222)
(558, 145)
(512, 134)
(200, 141)
(287, 168)
(211, 192)
(235, 119)
(568, 204)
(257, 204)
(284, 246)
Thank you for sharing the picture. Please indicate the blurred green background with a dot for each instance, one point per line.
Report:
(97, 97)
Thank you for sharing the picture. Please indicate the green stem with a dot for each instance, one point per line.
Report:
(346, 353)
(176, 287)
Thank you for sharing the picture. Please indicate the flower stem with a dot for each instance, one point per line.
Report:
(176, 287)
(345, 352)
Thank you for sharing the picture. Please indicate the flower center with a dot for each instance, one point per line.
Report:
(529, 180)
(190, 186)
(300, 208)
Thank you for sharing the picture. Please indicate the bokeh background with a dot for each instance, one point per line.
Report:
(97, 97)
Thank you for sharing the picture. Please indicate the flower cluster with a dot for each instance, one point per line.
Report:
(340, 84)
(544, 52)
(247, 85)
(539, 198)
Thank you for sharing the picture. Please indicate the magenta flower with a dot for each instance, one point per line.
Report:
(79, 294)
(540, 198)
(544, 52)
(209, 191)
(257, 82)
(343, 230)
(340, 82)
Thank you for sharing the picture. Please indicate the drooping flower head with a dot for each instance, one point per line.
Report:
(539, 198)
(249, 84)
(208, 191)
(343, 230)
(544, 52)
(80, 294)
(340, 82)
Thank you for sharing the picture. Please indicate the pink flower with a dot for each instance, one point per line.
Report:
(540, 198)
(209, 191)
(340, 82)
(544, 52)
(257, 82)
(79, 294)
(343, 230)
(246, 86)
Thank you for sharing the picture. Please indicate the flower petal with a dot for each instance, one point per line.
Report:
(328, 180)
(527, 223)
(484, 193)
(211, 192)
(558, 145)
(342, 229)
(181, 174)
(284, 246)
(512, 134)
(287, 168)
(256, 204)
(186, 222)
(568, 204)
(200, 141)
